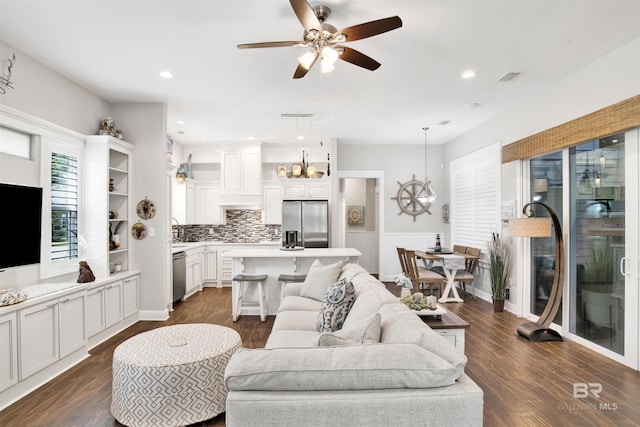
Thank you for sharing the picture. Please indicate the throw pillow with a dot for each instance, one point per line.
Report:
(364, 331)
(319, 278)
(335, 306)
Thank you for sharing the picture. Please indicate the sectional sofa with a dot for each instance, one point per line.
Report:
(375, 363)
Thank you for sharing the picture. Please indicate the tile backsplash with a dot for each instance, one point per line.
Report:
(242, 226)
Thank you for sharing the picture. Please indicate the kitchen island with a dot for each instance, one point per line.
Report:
(275, 261)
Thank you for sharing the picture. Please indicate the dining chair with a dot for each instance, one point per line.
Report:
(459, 249)
(403, 261)
(421, 276)
(465, 276)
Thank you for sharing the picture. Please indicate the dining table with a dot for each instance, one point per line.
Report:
(450, 262)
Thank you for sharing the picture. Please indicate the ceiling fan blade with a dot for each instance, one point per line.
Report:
(359, 59)
(270, 44)
(302, 71)
(306, 15)
(372, 28)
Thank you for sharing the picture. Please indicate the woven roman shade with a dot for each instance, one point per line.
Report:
(609, 120)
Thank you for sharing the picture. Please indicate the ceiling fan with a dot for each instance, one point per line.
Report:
(324, 40)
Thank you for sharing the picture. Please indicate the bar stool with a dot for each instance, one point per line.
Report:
(289, 278)
(244, 281)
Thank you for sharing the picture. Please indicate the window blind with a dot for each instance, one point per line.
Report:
(475, 196)
(64, 207)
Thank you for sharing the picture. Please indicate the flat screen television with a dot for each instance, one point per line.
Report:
(20, 219)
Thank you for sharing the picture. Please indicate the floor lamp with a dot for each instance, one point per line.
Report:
(529, 226)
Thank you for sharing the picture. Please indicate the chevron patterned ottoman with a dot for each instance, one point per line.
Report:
(172, 376)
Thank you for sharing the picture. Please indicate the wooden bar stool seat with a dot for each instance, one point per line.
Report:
(289, 278)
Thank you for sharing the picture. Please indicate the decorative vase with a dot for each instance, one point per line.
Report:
(498, 305)
(405, 292)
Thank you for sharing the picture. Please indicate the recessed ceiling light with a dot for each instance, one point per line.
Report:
(166, 75)
(468, 74)
(203, 138)
(180, 122)
(300, 138)
(252, 138)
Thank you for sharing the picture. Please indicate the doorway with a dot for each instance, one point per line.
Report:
(360, 217)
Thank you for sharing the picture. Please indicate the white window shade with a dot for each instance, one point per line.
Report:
(475, 197)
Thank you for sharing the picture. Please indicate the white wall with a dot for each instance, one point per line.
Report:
(43, 93)
(613, 78)
(399, 165)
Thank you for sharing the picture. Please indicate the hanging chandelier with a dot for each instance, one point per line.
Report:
(426, 193)
(304, 168)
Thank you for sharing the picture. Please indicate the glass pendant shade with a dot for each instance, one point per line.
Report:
(426, 194)
(585, 182)
(311, 171)
(282, 170)
(296, 170)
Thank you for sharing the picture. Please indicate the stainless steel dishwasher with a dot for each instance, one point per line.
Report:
(179, 275)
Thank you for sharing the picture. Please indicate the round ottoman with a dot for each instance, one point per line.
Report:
(172, 376)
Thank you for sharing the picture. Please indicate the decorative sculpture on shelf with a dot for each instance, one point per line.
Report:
(86, 275)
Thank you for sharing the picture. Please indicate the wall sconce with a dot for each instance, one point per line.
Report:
(181, 175)
(541, 227)
(184, 171)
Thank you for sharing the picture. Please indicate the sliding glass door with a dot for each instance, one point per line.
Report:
(597, 201)
(598, 213)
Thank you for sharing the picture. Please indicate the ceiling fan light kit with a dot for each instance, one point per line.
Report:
(323, 39)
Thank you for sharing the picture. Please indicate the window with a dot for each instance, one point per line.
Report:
(475, 195)
(15, 143)
(64, 207)
(61, 207)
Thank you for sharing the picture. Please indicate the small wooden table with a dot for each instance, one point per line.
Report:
(450, 326)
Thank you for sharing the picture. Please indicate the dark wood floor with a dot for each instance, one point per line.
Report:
(525, 384)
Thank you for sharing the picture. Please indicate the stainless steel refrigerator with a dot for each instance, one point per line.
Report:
(310, 218)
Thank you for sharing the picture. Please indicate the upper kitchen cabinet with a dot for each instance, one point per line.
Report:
(108, 205)
(241, 170)
(203, 203)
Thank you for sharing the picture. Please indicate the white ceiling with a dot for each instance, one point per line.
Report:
(117, 48)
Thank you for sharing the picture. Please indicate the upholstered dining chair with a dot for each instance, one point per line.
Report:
(465, 276)
(421, 276)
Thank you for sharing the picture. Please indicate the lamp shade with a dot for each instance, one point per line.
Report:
(530, 227)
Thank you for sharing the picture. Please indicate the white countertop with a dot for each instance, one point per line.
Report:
(185, 246)
(277, 253)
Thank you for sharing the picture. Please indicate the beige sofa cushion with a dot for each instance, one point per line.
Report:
(358, 367)
(365, 331)
(400, 325)
(297, 303)
(292, 320)
(289, 338)
(319, 278)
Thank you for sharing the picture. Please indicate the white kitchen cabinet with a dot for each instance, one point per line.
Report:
(309, 189)
(130, 295)
(203, 203)
(194, 271)
(8, 350)
(241, 170)
(226, 269)
(50, 331)
(191, 208)
(272, 204)
(104, 307)
(210, 265)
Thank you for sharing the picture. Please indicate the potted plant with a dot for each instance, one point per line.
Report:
(499, 269)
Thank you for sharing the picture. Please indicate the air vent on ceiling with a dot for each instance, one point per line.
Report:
(509, 76)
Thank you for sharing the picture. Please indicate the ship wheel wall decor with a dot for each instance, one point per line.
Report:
(407, 198)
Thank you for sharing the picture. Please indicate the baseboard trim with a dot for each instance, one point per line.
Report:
(154, 315)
